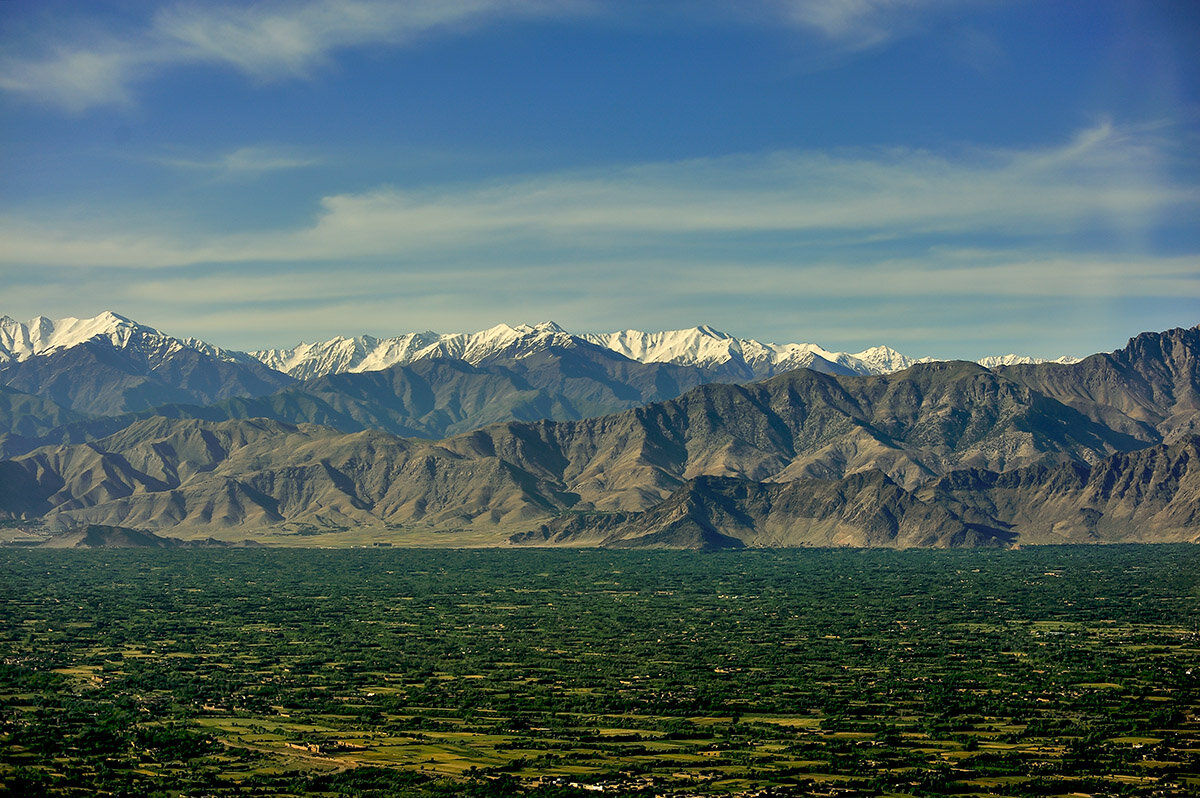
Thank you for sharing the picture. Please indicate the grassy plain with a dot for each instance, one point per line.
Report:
(1043, 671)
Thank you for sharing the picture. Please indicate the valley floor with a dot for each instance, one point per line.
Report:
(273, 672)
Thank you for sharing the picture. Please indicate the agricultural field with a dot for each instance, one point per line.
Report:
(273, 672)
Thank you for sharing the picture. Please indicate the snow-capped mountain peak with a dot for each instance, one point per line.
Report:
(743, 358)
(695, 346)
(365, 353)
(42, 336)
(543, 327)
(884, 359)
(702, 346)
(1020, 360)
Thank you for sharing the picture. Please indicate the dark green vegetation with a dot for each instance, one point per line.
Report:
(1039, 671)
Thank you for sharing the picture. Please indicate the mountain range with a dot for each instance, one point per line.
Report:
(110, 364)
(510, 437)
(421, 384)
(738, 358)
(703, 346)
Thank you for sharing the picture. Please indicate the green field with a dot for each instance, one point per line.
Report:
(1040, 671)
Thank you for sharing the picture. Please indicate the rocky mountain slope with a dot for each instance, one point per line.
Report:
(161, 473)
(110, 365)
(29, 416)
(553, 376)
(903, 430)
(938, 454)
(1149, 495)
(1150, 389)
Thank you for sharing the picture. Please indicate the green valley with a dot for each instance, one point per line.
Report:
(1037, 671)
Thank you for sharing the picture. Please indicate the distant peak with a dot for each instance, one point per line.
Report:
(506, 330)
(43, 335)
(881, 349)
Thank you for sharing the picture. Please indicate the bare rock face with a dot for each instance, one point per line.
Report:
(941, 454)
(433, 398)
(161, 473)
(1150, 494)
(865, 509)
(1149, 390)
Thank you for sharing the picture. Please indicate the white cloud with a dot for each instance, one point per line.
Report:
(77, 79)
(789, 240)
(894, 193)
(283, 39)
(267, 41)
(860, 24)
(950, 273)
(27, 242)
(1101, 179)
(694, 281)
(243, 162)
(969, 301)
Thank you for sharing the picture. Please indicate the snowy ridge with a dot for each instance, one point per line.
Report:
(42, 336)
(1021, 360)
(710, 348)
(365, 353)
(703, 346)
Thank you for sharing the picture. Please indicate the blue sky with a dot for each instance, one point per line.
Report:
(954, 178)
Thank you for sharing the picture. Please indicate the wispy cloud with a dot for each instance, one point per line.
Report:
(986, 242)
(278, 40)
(1105, 178)
(243, 162)
(989, 299)
(288, 39)
(937, 273)
(266, 41)
(78, 78)
(859, 24)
